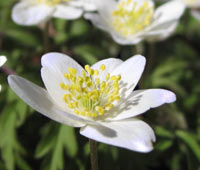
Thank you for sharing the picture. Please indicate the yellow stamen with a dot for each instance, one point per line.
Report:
(87, 94)
(131, 17)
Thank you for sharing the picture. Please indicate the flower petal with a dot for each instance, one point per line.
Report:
(105, 7)
(3, 59)
(97, 21)
(87, 5)
(170, 11)
(140, 101)
(160, 32)
(125, 40)
(110, 65)
(67, 12)
(39, 100)
(103, 18)
(52, 83)
(131, 134)
(55, 65)
(60, 63)
(25, 13)
(130, 71)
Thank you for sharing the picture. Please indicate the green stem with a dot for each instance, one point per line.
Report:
(93, 154)
(149, 65)
(46, 37)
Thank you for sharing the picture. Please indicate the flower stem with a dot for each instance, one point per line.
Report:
(149, 65)
(93, 154)
(46, 36)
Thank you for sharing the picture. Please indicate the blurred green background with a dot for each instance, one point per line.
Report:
(30, 141)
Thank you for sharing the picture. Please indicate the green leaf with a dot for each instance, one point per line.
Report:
(24, 37)
(70, 142)
(163, 145)
(160, 131)
(191, 142)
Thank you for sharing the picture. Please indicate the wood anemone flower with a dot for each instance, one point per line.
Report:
(131, 21)
(34, 12)
(100, 99)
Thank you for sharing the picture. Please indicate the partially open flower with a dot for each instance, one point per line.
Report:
(98, 98)
(3, 59)
(130, 21)
(33, 12)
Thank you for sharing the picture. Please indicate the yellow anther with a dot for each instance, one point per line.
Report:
(62, 85)
(119, 77)
(97, 81)
(73, 71)
(113, 78)
(103, 85)
(52, 2)
(130, 17)
(83, 113)
(91, 72)
(117, 98)
(84, 74)
(67, 76)
(102, 67)
(108, 107)
(100, 110)
(107, 76)
(87, 68)
(96, 72)
(77, 112)
(87, 94)
(70, 105)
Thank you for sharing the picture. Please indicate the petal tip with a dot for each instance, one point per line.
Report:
(169, 97)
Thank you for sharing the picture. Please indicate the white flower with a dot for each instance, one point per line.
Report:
(3, 59)
(33, 12)
(130, 21)
(98, 99)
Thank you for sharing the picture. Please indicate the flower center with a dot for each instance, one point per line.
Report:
(131, 17)
(89, 94)
(52, 2)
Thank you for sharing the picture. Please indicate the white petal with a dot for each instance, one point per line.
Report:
(67, 12)
(87, 5)
(196, 13)
(130, 71)
(60, 63)
(52, 82)
(125, 40)
(25, 13)
(55, 65)
(97, 21)
(131, 134)
(170, 11)
(3, 59)
(110, 64)
(140, 101)
(105, 7)
(161, 32)
(0, 87)
(39, 100)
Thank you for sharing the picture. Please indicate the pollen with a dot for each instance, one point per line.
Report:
(52, 2)
(89, 95)
(130, 17)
